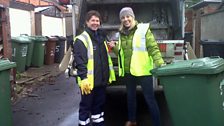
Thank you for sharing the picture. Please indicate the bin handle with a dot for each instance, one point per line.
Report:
(221, 87)
(221, 91)
(23, 34)
(214, 57)
(196, 64)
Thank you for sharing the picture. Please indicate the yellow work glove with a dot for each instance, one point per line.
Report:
(85, 87)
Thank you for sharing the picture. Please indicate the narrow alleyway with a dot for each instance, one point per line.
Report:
(52, 105)
(56, 104)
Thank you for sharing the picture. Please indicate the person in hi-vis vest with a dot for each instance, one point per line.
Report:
(94, 70)
(137, 53)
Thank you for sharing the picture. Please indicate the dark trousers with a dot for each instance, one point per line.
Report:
(146, 83)
(91, 107)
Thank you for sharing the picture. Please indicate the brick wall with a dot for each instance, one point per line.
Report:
(35, 2)
(5, 3)
(209, 9)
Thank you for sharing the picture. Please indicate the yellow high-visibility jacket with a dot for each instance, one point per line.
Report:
(144, 52)
(85, 38)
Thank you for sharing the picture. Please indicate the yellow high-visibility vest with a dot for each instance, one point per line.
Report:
(85, 38)
(141, 62)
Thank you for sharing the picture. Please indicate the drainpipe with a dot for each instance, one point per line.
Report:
(73, 3)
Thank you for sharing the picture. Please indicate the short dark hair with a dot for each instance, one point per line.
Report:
(92, 13)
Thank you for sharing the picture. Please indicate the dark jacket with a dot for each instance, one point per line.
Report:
(101, 65)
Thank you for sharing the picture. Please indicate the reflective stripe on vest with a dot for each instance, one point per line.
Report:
(85, 38)
(141, 62)
(111, 68)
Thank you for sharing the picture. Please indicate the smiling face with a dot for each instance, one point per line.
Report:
(93, 23)
(127, 21)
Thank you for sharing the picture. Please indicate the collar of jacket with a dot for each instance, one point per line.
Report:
(92, 33)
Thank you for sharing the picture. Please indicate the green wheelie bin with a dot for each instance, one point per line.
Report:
(29, 53)
(38, 50)
(194, 90)
(5, 94)
(19, 52)
(29, 50)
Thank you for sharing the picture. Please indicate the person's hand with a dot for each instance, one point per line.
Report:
(85, 87)
(111, 44)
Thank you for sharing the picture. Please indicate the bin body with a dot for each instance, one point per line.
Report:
(193, 91)
(19, 52)
(5, 95)
(60, 49)
(50, 51)
(213, 48)
(29, 54)
(38, 51)
(29, 50)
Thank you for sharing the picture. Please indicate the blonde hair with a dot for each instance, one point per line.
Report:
(133, 23)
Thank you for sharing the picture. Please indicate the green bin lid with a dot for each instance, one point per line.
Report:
(207, 65)
(21, 39)
(39, 38)
(6, 64)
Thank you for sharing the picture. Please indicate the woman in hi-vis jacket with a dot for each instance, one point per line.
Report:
(137, 53)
